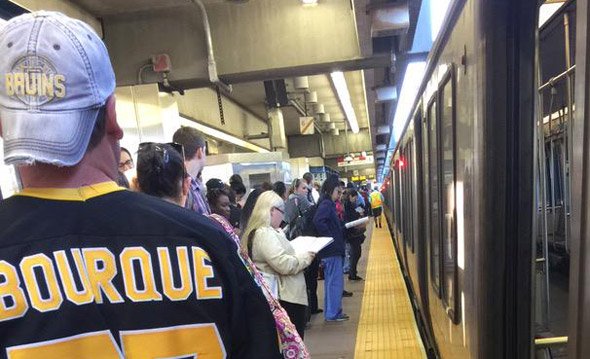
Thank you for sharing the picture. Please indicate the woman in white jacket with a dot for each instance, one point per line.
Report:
(272, 253)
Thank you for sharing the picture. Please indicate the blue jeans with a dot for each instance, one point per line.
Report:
(333, 287)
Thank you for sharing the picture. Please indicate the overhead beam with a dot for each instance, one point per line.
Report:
(377, 61)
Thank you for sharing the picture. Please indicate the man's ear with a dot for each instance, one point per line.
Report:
(200, 152)
(112, 126)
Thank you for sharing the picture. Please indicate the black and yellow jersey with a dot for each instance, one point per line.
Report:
(100, 272)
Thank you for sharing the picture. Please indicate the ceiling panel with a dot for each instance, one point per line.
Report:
(113, 7)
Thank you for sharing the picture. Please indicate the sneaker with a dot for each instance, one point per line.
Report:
(356, 277)
(341, 318)
(317, 311)
(346, 293)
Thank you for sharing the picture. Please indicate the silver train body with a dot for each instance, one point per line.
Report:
(461, 197)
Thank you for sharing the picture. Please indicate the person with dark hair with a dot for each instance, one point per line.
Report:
(219, 202)
(195, 153)
(235, 210)
(125, 161)
(161, 172)
(240, 191)
(235, 178)
(100, 262)
(328, 224)
(125, 164)
(355, 236)
(265, 186)
(214, 183)
(280, 189)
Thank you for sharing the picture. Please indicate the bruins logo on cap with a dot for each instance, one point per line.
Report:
(34, 81)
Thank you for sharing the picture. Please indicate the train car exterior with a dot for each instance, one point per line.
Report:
(461, 182)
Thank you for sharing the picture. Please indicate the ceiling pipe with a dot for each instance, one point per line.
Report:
(211, 64)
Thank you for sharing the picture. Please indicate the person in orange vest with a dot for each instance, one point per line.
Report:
(376, 199)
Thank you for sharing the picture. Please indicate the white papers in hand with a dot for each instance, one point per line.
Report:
(305, 244)
(357, 222)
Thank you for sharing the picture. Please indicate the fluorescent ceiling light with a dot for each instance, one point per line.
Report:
(385, 93)
(410, 87)
(547, 10)
(210, 131)
(309, 2)
(438, 12)
(344, 97)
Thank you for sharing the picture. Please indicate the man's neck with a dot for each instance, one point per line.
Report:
(47, 176)
(97, 166)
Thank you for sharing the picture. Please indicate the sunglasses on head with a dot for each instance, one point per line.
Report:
(158, 146)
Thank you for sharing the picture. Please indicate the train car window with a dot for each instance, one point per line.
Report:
(404, 197)
(397, 201)
(425, 219)
(434, 197)
(407, 211)
(449, 230)
(410, 182)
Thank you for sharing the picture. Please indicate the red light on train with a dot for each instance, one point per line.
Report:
(401, 163)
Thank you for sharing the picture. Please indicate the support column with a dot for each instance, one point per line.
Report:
(276, 124)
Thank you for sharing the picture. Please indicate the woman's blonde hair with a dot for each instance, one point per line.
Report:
(261, 214)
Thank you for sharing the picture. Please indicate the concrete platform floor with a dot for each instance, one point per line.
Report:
(338, 340)
(387, 327)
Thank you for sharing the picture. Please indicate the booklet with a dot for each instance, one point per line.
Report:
(305, 244)
(357, 222)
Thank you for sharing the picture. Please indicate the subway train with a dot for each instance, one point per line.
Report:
(486, 219)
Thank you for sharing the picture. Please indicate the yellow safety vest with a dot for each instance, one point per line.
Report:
(375, 199)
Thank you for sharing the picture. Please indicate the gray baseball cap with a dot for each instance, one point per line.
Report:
(55, 76)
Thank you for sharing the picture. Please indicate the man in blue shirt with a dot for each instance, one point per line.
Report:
(194, 159)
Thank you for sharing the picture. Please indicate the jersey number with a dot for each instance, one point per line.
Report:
(195, 341)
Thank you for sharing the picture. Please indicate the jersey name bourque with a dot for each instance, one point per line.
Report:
(86, 276)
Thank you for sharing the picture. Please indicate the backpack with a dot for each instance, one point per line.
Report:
(308, 226)
(296, 227)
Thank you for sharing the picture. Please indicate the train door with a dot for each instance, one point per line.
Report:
(552, 242)
(421, 201)
(579, 288)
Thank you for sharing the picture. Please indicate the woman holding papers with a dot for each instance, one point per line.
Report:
(275, 257)
(355, 236)
(328, 224)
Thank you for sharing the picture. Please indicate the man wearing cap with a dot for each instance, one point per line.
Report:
(89, 269)
(194, 160)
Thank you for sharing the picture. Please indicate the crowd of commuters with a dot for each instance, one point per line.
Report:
(244, 281)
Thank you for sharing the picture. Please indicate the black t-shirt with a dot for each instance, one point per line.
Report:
(124, 275)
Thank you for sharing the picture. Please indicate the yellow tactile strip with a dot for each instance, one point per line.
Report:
(387, 328)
